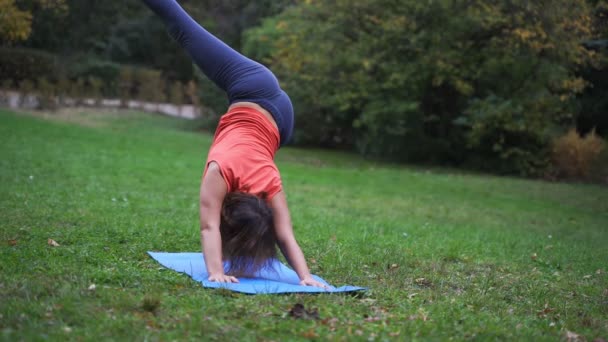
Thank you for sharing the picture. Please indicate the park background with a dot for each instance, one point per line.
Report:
(438, 114)
(500, 86)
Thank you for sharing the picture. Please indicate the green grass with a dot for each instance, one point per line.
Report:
(446, 255)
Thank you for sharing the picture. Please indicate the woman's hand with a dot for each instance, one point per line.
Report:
(311, 282)
(222, 278)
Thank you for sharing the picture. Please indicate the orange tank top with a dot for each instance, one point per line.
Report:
(244, 146)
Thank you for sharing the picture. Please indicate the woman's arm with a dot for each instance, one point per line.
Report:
(287, 241)
(213, 191)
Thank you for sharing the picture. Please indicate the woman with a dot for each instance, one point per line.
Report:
(243, 209)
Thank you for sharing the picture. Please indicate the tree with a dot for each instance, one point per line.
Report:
(15, 24)
(593, 102)
(16, 17)
(441, 80)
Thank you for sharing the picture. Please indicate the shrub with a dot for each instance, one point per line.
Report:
(125, 85)
(94, 90)
(176, 93)
(209, 95)
(107, 72)
(574, 156)
(77, 90)
(191, 91)
(599, 168)
(150, 85)
(19, 64)
(26, 87)
(6, 84)
(507, 136)
(62, 88)
(46, 96)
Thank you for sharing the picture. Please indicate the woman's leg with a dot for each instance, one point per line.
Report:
(241, 78)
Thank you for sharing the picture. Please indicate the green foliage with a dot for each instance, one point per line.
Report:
(150, 85)
(125, 85)
(176, 93)
(47, 94)
(259, 42)
(106, 72)
(27, 87)
(17, 17)
(15, 24)
(208, 95)
(94, 86)
(593, 102)
(129, 33)
(63, 88)
(6, 84)
(410, 80)
(78, 89)
(599, 168)
(18, 64)
(507, 137)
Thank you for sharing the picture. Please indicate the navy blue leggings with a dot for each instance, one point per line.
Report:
(241, 78)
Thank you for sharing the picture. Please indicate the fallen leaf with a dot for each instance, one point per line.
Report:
(587, 276)
(546, 310)
(310, 334)
(331, 322)
(411, 295)
(394, 266)
(12, 242)
(534, 256)
(53, 243)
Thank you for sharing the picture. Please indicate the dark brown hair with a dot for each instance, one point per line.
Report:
(248, 236)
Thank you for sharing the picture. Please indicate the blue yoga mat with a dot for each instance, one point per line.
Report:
(277, 279)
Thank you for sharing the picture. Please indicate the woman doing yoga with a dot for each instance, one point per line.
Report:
(243, 209)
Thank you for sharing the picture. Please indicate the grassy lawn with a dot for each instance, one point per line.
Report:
(446, 255)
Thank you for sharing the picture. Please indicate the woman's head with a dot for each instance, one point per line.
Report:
(248, 235)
